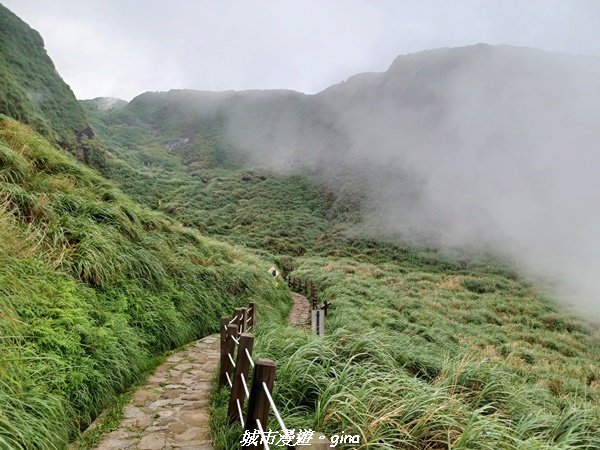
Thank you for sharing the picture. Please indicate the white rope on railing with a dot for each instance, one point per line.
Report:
(231, 321)
(237, 341)
(274, 408)
(231, 359)
(240, 412)
(249, 358)
(245, 385)
(248, 319)
(262, 434)
(228, 379)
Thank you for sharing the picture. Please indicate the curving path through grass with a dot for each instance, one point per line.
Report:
(170, 411)
(300, 313)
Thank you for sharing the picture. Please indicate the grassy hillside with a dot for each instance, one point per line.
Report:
(198, 178)
(419, 356)
(32, 91)
(92, 287)
(423, 350)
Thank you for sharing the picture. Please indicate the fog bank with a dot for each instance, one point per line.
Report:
(481, 146)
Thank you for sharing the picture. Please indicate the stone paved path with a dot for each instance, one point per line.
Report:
(170, 411)
(300, 313)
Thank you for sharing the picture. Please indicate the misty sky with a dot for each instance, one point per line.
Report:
(124, 47)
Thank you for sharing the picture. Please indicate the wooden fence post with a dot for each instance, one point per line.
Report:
(224, 324)
(238, 319)
(242, 366)
(325, 307)
(227, 349)
(252, 307)
(258, 405)
(244, 326)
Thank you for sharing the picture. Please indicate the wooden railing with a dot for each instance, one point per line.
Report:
(311, 291)
(237, 362)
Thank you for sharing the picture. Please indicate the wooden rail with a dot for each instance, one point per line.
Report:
(237, 343)
(311, 290)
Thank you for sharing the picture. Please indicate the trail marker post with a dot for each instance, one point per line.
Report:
(318, 322)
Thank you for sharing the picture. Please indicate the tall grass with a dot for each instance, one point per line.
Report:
(92, 286)
(423, 350)
(352, 383)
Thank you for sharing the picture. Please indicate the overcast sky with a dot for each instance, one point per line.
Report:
(122, 48)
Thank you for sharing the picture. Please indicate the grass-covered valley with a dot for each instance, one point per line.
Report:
(423, 350)
(128, 228)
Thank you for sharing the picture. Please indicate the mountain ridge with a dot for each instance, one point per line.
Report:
(33, 92)
(417, 89)
(454, 350)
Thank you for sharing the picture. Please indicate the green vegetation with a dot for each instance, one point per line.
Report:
(200, 182)
(93, 286)
(423, 350)
(424, 357)
(32, 92)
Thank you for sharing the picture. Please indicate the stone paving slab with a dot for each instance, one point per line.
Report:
(171, 410)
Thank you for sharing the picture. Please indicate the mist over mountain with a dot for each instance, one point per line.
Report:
(421, 203)
(484, 147)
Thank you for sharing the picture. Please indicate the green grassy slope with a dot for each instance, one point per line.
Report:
(423, 350)
(421, 356)
(203, 183)
(92, 286)
(32, 91)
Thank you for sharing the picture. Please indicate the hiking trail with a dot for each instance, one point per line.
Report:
(170, 412)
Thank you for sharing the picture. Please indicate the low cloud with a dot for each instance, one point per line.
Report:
(488, 148)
